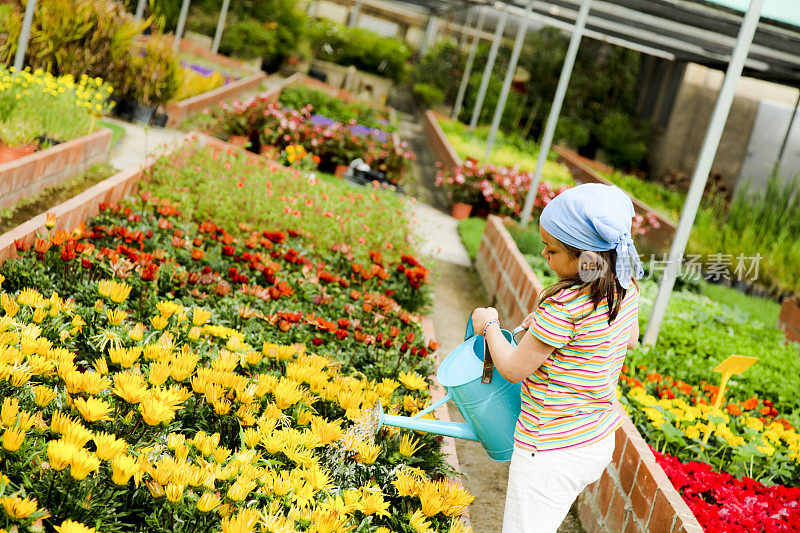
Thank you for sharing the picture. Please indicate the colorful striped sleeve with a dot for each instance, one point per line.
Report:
(552, 324)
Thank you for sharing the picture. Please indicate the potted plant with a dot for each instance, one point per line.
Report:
(18, 138)
(462, 190)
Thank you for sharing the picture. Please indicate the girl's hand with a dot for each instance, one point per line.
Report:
(481, 316)
(528, 320)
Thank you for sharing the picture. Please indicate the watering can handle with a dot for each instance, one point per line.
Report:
(488, 364)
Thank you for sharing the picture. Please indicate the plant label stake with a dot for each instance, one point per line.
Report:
(735, 364)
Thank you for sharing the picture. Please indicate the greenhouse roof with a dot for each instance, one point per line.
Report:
(700, 31)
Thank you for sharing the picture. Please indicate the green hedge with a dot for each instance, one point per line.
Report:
(363, 49)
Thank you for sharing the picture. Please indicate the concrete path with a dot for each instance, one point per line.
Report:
(457, 290)
(137, 142)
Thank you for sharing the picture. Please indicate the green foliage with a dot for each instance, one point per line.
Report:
(623, 142)
(298, 96)
(364, 49)
(153, 73)
(97, 38)
(20, 132)
(427, 96)
(117, 131)
(756, 223)
(698, 333)
(471, 231)
(248, 39)
(766, 310)
(509, 150)
(666, 202)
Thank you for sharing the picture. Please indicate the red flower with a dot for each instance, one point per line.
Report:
(342, 334)
(198, 254)
(316, 341)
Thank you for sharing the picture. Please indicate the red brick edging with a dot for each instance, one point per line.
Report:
(29, 175)
(444, 151)
(178, 111)
(634, 494)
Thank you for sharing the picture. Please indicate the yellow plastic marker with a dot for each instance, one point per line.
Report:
(735, 364)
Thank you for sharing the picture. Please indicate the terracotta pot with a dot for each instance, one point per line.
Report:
(269, 151)
(239, 140)
(340, 171)
(460, 211)
(10, 153)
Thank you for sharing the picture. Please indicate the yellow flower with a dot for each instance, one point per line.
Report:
(372, 502)
(136, 332)
(159, 372)
(12, 439)
(118, 292)
(167, 308)
(367, 453)
(692, 432)
(174, 492)
(418, 522)
(116, 316)
(19, 508)
(413, 381)
(286, 393)
(124, 357)
(159, 322)
(59, 453)
(200, 316)
(243, 522)
(408, 445)
(83, 463)
(208, 502)
(93, 409)
(155, 411)
(123, 467)
(431, 498)
(130, 387)
(109, 446)
(457, 526)
(70, 526)
(9, 411)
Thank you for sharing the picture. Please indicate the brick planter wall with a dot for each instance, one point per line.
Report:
(438, 142)
(789, 319)
(178, 111)
(657, 239)
(26, 176)
(634, 494)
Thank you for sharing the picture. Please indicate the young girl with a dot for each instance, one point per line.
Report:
(571, 356)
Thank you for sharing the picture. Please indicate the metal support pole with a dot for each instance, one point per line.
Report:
(700, 176)
(140, 10)
(223, 14)
(462, 89)
(555, 110)
(429, 37)
(462, 41)
(522, 29)
(487, 71)
(777, 167)
(181, 24)
(353, 18)
(24, 35)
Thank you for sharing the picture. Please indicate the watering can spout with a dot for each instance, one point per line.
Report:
(448, 429)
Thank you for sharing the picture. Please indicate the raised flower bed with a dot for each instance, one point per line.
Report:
(199, 392)
(266, 123)
(179, 110)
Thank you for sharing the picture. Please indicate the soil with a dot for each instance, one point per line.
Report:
(23, 211)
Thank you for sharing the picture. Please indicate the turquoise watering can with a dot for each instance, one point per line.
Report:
(489, 404)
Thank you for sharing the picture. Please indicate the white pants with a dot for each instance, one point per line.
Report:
(542, 487)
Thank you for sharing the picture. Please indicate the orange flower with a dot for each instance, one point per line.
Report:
(654, 376)
(51, 220)
(733, 409)
(749, 405)
(198, 254)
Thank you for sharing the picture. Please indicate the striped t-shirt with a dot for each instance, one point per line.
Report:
(567, 401)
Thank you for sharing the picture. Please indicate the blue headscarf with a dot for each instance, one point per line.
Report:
(596, 217)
